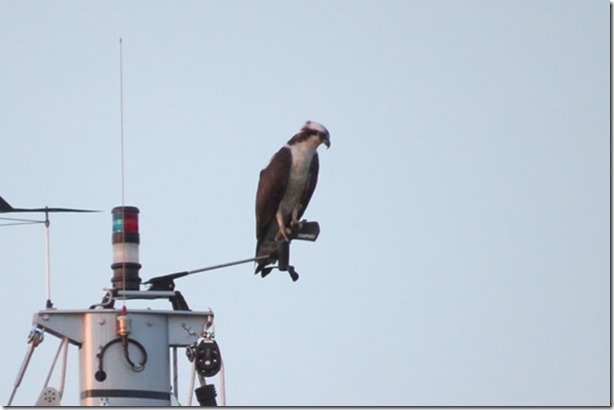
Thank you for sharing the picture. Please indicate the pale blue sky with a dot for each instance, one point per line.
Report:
(464, 203)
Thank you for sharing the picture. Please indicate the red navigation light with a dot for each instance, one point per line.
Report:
(131, 222)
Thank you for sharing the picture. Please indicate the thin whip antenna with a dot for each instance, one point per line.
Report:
(121, 131)
(121, 115)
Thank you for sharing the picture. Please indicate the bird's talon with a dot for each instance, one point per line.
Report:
(282, 235)
(296, 225)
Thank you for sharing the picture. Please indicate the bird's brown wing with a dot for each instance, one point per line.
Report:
(271, 188)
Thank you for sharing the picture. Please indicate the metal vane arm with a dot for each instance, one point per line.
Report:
(165, 282)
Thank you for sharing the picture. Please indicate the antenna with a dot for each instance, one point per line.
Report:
(125, 218)
(121, 115)
(122, 238)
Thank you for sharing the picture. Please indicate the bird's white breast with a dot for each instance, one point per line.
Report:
(299, 173)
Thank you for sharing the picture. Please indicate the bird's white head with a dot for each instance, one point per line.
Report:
(312, 128)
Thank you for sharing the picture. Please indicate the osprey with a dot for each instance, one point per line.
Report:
(285, 187)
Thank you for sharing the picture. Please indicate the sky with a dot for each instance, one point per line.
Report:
(464, 204)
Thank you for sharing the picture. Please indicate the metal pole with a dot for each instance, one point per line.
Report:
(35, 338)
(224, 265)
(55, 360)
(164, 280)
(64, 360)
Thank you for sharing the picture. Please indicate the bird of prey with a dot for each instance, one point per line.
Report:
(285, 188)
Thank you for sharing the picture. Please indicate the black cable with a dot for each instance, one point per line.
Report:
(101, 375)
(141, 366)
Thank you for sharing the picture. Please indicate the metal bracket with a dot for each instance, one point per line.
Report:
(154, 292)
(309, 231)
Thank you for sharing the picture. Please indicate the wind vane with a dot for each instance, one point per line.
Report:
(5, 207)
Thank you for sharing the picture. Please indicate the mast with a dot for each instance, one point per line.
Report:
(124, 353)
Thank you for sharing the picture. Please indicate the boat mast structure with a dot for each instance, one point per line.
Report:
(125, 354)
(128, 357)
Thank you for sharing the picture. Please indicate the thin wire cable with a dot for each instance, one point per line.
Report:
(19, 221)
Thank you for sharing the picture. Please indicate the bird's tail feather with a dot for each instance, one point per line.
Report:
(264, 248)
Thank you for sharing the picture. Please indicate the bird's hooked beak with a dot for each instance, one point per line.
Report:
(325, 139)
